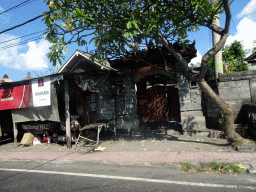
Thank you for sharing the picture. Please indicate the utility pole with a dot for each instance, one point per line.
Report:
(218, 63)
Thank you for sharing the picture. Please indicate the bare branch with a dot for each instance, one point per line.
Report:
(162, 54)
(219, 44)
(175, 53)
(211, 26)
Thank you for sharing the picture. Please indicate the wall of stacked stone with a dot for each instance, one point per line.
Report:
(189, 97)
(235, 93)
(192, 118)
(118, 102)
(127, 104)
(236, 89)
(106, 102)
(212, 113)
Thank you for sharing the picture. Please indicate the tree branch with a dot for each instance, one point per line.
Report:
(219, 44)
(211, 26)
(175, 53)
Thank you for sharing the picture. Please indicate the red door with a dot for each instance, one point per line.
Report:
(159, 103)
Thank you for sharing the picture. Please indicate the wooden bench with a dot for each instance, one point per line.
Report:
(85, 141)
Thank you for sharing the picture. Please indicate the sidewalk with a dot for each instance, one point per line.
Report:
(134, 157)
(153, 149)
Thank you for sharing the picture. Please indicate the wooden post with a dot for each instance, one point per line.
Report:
(98, 134)
(15, 133)
(67, 114)
(1, 132)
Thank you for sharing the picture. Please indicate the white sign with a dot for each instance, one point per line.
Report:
(41, 90)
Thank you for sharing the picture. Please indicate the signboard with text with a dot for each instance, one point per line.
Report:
(41, 91)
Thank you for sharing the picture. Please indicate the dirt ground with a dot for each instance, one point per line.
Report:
(156, 141)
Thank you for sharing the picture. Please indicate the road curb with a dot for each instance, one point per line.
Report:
(246, 148)
(252, 170)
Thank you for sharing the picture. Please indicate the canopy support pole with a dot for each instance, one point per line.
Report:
(15, 133)
(67, 114)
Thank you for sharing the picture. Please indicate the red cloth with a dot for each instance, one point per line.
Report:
(45, 140)
(16, 97)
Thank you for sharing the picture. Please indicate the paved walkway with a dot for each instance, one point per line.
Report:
(147, 149)
(132, 157)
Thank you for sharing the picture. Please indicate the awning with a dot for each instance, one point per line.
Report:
(16, 97)
(35, 93)
(43, 113)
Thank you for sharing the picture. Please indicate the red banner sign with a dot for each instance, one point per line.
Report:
(16, 97)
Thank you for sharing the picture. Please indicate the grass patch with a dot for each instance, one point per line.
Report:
(220, 168)
(187, 166)
(242, 142)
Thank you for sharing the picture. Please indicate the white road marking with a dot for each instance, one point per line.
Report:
(133, 179)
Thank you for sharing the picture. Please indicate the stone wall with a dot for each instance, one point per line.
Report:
(127, 104)
(117, 101)
(237, 89)
(106, 102)
(235, 93)
(192, 117)
(212, 113)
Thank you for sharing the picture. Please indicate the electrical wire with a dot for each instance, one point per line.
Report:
(25, 41)
(21, 37)
(17, 6)
(21, 43)
(21, 24)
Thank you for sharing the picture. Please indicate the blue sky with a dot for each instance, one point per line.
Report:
(17, 60)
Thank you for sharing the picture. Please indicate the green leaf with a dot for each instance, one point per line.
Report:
(65, 48)
(126, 35)
(129, 25)
(78, 11)
(135, 24)
(54, 47)
(83, 42)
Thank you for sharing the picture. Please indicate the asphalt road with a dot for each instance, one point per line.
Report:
(83, 176)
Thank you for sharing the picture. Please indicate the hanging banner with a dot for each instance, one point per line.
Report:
(16, 97)
(41, 92)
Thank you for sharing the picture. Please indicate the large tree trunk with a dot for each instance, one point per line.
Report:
(226, 109)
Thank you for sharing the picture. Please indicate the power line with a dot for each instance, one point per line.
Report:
(21, 43)
(17, 6)
(21, 37)
(21, 24)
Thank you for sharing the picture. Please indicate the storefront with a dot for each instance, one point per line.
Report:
(51, 108)
(32, 105)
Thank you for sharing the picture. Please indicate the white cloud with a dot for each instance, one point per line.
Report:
(197, 59)
(4, 18)
(33, 59)
(245, 33)
(249, 10)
